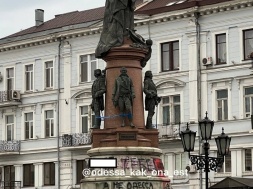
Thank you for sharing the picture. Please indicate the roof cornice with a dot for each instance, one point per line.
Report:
(141, 20)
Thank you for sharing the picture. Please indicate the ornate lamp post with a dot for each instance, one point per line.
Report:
(205, 162)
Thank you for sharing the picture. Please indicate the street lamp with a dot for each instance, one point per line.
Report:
(205, 162)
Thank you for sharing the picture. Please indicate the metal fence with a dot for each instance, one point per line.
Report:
(5, 96)
(9, 146)
(170, 131)
(76, 139)
(10, 185)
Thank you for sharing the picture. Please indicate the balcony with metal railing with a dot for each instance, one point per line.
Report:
(76, 139)
(12, 146)
(10, 185)
(170, 131)
(9, 98)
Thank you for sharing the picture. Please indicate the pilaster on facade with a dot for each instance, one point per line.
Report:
(57, 176)
(66, 173)
(74, 175)
(204, 94)
(66, 49)
(19, 173)
(193, 76)
(38, 174)
(65, 103)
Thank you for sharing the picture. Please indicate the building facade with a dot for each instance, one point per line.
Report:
(201, 61)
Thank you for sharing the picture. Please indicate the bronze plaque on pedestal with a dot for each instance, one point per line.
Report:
(127, 136)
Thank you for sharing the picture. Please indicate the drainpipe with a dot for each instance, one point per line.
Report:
(58, 110)
(197, 15)
(149, 35)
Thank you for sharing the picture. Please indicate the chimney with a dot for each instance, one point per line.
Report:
(39, 17)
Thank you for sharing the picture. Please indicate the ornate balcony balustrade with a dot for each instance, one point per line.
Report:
(76, 139)
(10, 97)
(9, 146)
(5, 96)
(10, 185)
(169, 131)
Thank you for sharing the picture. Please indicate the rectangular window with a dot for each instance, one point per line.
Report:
(222, 104)
(29, 77)
(171, 110)
(226, 167)
(80, 166)
(10, 78)
(49, 74)
(248, 43)
(248, 160)
(28, 175)
(9, 175)
(49, 174)
(49, 123)
(221, 52)
(180, 161)
(88, 63)
(29, 125)
(170, 56)
(248, 101)
(9, 127)
(85, 118)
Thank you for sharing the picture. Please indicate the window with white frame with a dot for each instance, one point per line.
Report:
(180, 161)
(9, 120)
(49, 123)
(221, 52)
(226, 167)
(28, 125)
(10, 78)
(86, 118)
(248, 159)
(222, 104)
(29, 77)
(88, 63)
(170, 56)
(248, 43)
(49, 74)
(171, 109)
(248, 101)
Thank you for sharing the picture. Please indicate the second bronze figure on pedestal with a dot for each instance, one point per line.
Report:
(151, 99)
(98, 89)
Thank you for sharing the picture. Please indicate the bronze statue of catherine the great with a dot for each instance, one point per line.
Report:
(118, 17)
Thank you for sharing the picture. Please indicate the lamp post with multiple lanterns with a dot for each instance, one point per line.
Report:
(205, 162)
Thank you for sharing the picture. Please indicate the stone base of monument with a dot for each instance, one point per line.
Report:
(123, 136)
(137, 167)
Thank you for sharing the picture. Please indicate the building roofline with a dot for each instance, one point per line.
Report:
(165, 17)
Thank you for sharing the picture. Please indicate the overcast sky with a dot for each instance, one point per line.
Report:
(16, 15)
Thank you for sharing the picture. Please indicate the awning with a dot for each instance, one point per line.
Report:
(235, 183)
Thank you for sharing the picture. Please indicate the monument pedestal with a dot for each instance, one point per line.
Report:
(113, 135)
(137, 167)
(135, 148)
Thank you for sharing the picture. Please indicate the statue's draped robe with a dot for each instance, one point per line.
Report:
(119, 15)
